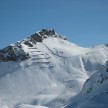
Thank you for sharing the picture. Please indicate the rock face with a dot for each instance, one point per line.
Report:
(11, 53)
(48, 32)
(36, 37)
(44, 33)
(1, 57)
(106, 45)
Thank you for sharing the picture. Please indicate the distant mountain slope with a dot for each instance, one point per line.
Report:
(46, 70)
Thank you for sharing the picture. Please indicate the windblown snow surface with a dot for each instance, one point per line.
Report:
(53, 76)
(94, 93)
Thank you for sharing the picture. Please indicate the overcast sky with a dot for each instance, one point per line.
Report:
(84, 22)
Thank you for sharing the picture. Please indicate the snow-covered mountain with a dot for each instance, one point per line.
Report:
(46, 70)
(94, 93)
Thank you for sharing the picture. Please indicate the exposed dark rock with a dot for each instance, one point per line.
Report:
(12, 53)
(28, 43)
(41, 33)
(90, 89)
(18, 44)
(1, 57)
(52, 32)
(48, 32)
(107, 70)
(44, 37)
(36, 37)
(65, 38)
(45, 30)
(106, 45)
(8, 54)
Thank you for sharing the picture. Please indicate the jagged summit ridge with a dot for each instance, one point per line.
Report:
(16, 52)
(43, 34)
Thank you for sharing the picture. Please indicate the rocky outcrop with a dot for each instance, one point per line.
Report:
(106, 45)
(12, 53)
(1, 57)
(36, 37)
(48, 32)
(28, 43)
(43, 34)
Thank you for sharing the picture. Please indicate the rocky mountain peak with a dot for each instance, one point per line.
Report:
(15, 51)
(43, 34)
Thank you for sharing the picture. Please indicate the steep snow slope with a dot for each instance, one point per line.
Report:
(46, 71)
(94, 93)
